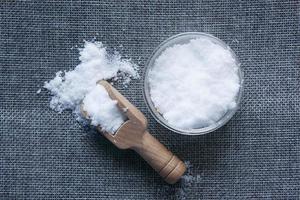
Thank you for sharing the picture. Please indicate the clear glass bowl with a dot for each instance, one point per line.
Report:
(182, 39)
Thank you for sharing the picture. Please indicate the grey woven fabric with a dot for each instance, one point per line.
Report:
(46, 155)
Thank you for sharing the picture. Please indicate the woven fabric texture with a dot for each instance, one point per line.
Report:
(46, 155)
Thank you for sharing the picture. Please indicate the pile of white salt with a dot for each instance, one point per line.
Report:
(102, 110)
(193, 85)
(70, 89)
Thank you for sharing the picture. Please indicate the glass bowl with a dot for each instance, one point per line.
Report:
(182, 39)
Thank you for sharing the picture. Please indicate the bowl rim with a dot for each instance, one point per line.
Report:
(146, 89)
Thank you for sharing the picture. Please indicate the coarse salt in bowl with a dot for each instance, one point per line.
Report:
(193, 83)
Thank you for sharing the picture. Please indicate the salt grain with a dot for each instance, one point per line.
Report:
(193, 85)
(102, 110)
(69, 88)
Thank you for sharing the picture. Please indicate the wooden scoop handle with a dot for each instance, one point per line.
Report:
(169, 166)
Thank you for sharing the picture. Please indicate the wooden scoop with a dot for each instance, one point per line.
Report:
(133, 134)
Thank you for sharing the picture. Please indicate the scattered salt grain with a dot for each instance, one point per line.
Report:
(182, 190)
(194, 84)
(69, 88)
(187, 181)
(39, 91)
